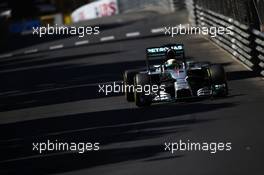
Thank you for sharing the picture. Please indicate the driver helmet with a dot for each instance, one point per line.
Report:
(171, 54)
(172, 64)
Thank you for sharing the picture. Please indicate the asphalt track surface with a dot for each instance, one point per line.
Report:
(53, 94)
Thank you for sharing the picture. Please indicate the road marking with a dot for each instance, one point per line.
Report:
(56, 47)
(158, 30)
(9, 92)
(62, 88)
(36, 156)
(107, 38)
(28, 32)
(6, 55)
(78, 43)
(133, 34)
(31, 51)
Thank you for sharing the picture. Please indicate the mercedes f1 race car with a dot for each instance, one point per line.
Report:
(174, 79)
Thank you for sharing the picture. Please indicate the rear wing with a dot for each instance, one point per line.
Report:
(161, 51)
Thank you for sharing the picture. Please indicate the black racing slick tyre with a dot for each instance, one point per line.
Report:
(218, 77)
(217, 74)
(141, 99)
(129, 82)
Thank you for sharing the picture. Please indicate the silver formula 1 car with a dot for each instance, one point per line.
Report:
(174, 79)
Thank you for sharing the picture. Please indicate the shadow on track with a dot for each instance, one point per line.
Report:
(57, 84)
(105, 127)
(240, 75)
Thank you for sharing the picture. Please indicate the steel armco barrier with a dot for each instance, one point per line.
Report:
(259, 41)
(244, 43)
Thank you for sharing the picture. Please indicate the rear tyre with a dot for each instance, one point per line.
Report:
(141, 99)
(128, 82)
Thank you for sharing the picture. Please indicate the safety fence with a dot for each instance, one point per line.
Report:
(243, 42)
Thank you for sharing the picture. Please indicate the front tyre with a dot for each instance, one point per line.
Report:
(218, 80)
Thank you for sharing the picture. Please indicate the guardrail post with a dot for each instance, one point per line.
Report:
(254, 25)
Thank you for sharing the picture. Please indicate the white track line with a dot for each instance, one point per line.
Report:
(133, 34)
(78, 43)
(6, 55)
(31, 51)
(62, 88)
(158, 30)
(9, 92)
(56, 47)
(107, 38)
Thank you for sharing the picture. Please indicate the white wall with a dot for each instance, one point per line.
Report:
(95, 10)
